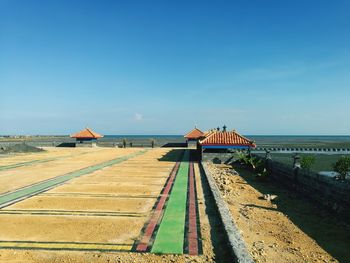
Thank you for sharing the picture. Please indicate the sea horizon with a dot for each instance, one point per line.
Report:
(171, 135)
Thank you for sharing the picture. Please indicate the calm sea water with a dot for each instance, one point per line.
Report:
(335, 138)
(272, 138)
(262, 140)
(302, 140)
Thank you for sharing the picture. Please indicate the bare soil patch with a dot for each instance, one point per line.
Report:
(71, 203)
(110, 189)
(26, 175)
(70, 228)
(291, 228)
(47, 153)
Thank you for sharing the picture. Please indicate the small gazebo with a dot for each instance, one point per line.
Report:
(194, 136)
(226, 140)
(219, 141)
(86, 136)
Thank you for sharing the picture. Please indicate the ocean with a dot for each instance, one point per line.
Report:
(306, 141)
(261, 140)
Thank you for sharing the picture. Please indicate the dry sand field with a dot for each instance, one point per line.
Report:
(88, 205)
(112, 205)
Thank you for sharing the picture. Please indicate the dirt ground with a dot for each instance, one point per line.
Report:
(22, 176)
(290, 228)
(13, 158)
(110, 205)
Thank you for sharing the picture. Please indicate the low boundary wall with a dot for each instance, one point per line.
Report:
(236, 243)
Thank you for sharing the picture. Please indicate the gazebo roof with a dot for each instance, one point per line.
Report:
(194, 134)
(226, 138)
(87, 134)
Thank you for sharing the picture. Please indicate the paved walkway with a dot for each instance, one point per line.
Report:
(171, 232)
(177, 231)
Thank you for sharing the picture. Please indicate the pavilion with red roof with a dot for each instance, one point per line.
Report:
(218, 145)
(194, 136)
(86, 135)
(226, 140)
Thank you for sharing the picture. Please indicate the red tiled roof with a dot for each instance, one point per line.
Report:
(87, 134)
(226, 138)
(194, 134)
(206, 133)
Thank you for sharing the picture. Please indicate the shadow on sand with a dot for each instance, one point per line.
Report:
(218, 238)
(327, 229)
(174, 155)
(174, 144)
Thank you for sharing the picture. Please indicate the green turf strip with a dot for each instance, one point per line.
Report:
(48, 184)
(170, 235)
(11, 166)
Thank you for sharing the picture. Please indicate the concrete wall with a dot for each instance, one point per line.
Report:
(192, 144)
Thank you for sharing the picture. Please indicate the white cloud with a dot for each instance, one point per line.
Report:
(138, 116)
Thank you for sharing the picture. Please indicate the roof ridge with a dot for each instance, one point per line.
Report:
(210, 134)
(226, 137)
(86, 133)
(242, 136)
(91, 132)
(195, 129)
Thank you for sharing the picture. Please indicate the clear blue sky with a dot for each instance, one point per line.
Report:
(160, 67)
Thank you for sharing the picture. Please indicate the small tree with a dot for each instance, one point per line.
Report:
(307, 162)
(342, 166)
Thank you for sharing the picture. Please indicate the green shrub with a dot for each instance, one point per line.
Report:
(258, 165)
(307, 162)
(242, 158)
(342, 166)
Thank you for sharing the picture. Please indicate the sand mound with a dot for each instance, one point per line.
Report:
(19, 148)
